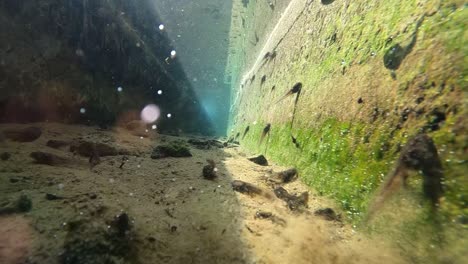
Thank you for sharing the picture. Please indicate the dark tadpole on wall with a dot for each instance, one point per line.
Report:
(327, 2)
(294, 141)
(245, 132)
(265, 132)
(396, 54)
(296, 89)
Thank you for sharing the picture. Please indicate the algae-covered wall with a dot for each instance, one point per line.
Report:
(373, 75)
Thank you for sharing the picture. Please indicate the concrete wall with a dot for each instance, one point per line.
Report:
(373, 74)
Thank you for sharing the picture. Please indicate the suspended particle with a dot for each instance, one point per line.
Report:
(169, 115)
(82, 110)
(60, 186)
(159, 92)
(119, 89)
(154, 127)
(161, 27)
(138, 44)
(173, 54)
(150, 113)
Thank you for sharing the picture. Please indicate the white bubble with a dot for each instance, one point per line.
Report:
(169, 115)
(138, 44)
(161, 27)
(150, 113)
(159, 91)
(173, 54)
(119, 89)
(83, 110)
(60, 186)
(154, 127)
(146, 130)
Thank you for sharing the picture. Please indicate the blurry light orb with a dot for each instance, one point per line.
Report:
(173, 54)
(138, 44)
(154, 127)
(169, 115)
(150, 113)
(161, 27)
(159, 91)
(83, 110)
(119, 89)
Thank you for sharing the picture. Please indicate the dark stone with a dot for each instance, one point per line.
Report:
(435, 118)
(285, 176)
(47, 158)
(327, 2)
(88, 149)
(27, 134)
(294, 202)
(245, 187)
(5, 156)
(56, 144)
(260, 160)
(209, 172)
(360, 101)
(328, 214)
(263, 214)
(52, 197)
(14, 180)
(23, 204)
(174, 149)
(122, 224)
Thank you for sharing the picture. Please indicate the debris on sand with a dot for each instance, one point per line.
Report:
(294, 202)
(209, 171)
(269, 215)
(260, 160)
(328, 214)
(87, 149)
(48, 158)
(22, 205)
(175, 149)
(94, 159)
(5, 156)
(57, 144)
(27, 134)
(205, 144)
(248, 188)
(124, 160)
(53, 197)
(89, 241)
(286, 176)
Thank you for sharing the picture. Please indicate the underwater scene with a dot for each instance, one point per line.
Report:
(233, 131)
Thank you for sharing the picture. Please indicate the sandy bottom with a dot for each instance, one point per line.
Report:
(177, 216)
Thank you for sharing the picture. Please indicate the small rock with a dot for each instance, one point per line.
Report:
(263, 214)
(294, 202)
(47, 158)
(56, 144)
(248, 188)
(27, 134)
(5, 156)
(209, 171)
(286, 176)
(328, 214)
(174, 149)
(260, 160)
(52, 197)
(14, 180)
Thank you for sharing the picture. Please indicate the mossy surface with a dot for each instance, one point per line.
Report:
(374, 74)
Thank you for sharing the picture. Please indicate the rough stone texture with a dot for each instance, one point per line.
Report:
(60, 56)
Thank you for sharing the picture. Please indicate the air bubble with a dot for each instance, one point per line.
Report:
(119, 89)
(160, 92)
(83, 110)
(169, 115)
(161, 27)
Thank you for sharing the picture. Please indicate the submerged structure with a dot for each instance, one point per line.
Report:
(243, 131)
